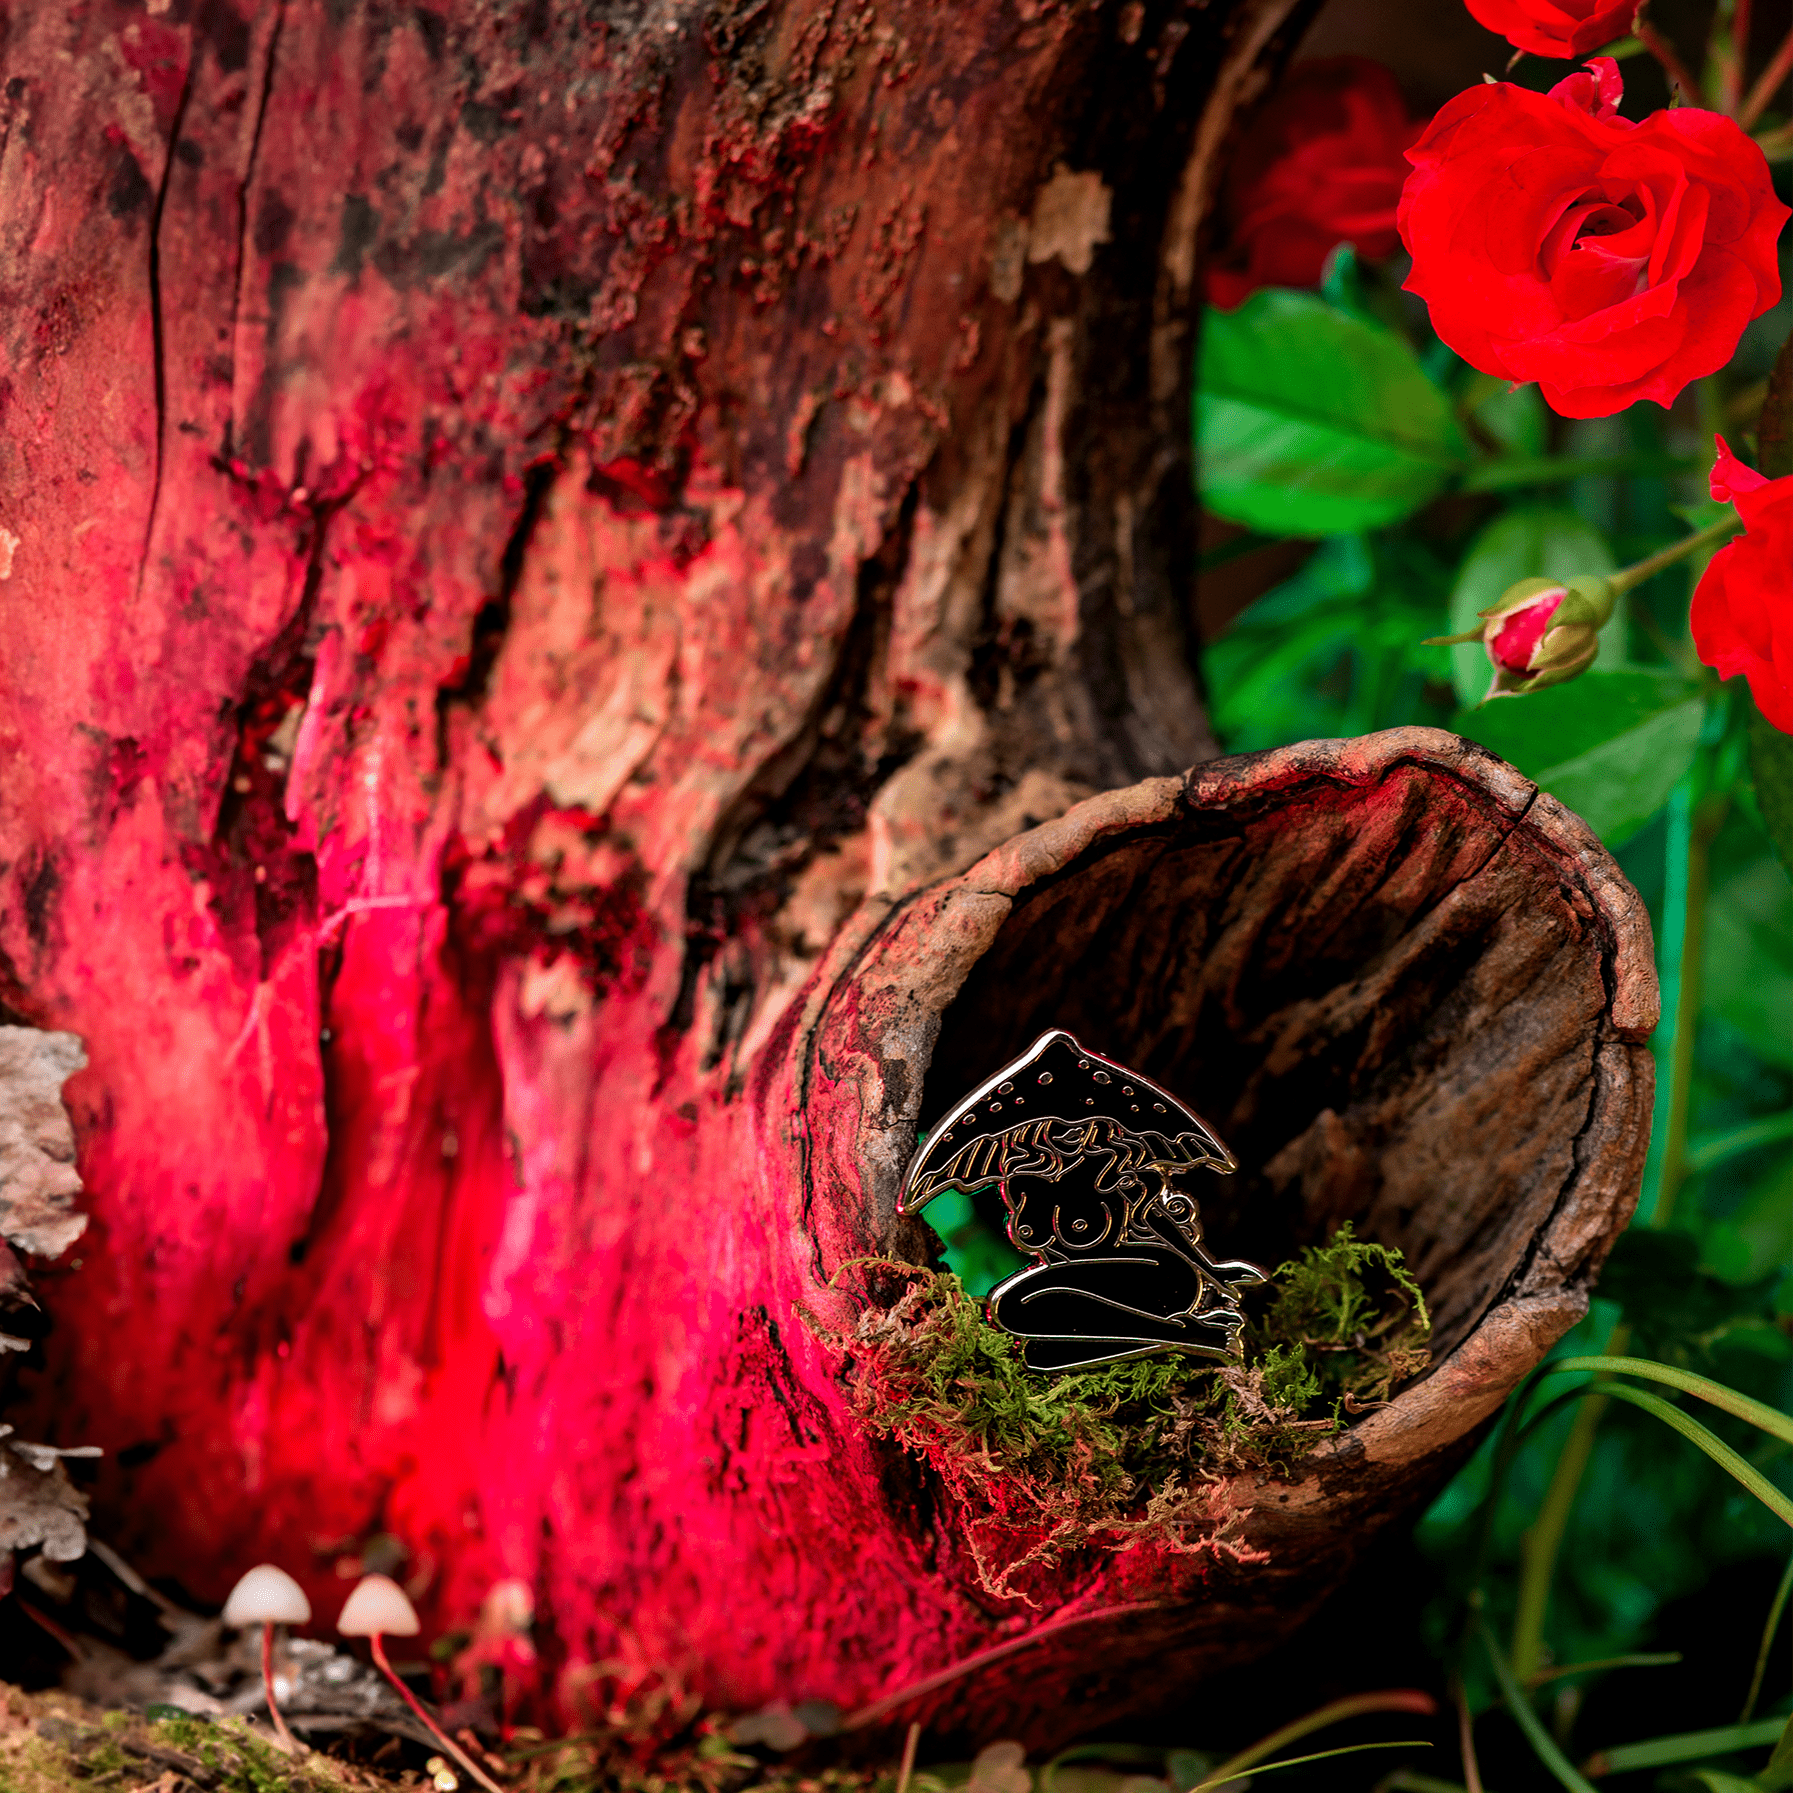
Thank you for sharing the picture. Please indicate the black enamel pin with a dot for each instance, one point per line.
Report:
(1087, 1155)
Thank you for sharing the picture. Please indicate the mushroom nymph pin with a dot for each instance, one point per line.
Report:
(1087, 1156)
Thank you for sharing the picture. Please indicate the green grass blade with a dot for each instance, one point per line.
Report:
(1138, 1755)
(1350, 1749)
(1757, 1413)
(1776, 1608)
(1779, 1772)
(1543, 1744)
(1716, 1148)
(1651, 1659)
(1689, 1746)
(1715, 1447)
(1394, 1699)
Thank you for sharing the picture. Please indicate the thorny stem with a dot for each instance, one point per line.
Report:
(1629, 578)
(1767, 83)
(1727, 49)
(434, 1729)
(267, 1681)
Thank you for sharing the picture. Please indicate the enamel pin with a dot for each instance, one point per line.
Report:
(1086, 1155)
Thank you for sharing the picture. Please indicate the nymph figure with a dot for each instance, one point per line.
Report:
(1085, 1154)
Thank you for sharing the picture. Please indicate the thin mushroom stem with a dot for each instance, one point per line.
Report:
(435, 1730)
(267, 1681)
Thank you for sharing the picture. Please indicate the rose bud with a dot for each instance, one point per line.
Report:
(1542, 632)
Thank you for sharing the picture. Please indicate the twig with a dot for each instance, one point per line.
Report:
(882, 1708)
(1664, 52)
(1778, 1607)
(1472, 1772)
(1767, 83)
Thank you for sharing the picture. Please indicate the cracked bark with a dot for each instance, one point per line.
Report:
(635, 501)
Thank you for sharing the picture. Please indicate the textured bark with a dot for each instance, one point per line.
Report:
(531, 533)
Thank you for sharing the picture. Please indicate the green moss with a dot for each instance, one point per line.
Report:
(241, 1761)
(1045, 1466)
(1353, 1314)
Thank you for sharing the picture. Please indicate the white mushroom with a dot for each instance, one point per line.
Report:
(267, 1596)
(379, 1607)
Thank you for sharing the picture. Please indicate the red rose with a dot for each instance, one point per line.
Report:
(1563, 28)
(1555, 241)
(1743, 609)
(1322, 165)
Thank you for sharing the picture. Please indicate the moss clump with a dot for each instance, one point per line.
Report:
(1103, 1457)
(50, 1743)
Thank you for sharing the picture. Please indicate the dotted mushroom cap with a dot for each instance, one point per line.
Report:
(378, 1607)
(266, 1596)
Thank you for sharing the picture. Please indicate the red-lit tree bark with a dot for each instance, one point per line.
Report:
(533, 535)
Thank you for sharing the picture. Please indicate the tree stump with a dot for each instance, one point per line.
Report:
(533, 538)
(1411, 991)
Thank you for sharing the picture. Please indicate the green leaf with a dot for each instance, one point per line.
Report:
(1610, 745)
(1771, 766)
(1749, 955)
(1715, 1780)
(1756, 1238)
(1616, 788)
(1514, 416)
(1311, 422)
(1533, 541)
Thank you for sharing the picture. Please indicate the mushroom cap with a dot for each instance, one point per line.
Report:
(1055, 1079)
(378, 1607)
(267, 1596)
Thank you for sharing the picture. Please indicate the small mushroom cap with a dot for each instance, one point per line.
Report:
(378, 1607)
(267, 1596)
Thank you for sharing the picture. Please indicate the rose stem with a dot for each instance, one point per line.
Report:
(434, 1729)
(1629, 578)
(267, 1681)
(1672, 65)
(1767, 83)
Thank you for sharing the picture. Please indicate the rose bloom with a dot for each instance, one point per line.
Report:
(1562, 28)
(1554, 241)
(1321, 165)
(1743, 609)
